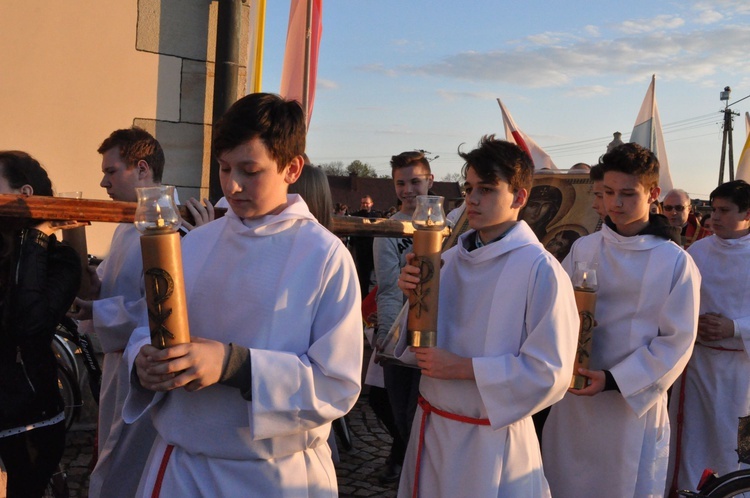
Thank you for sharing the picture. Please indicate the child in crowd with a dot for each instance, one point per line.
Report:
(714, 392)
(411, 177)
(611, 438)
(245, 408)
(507, 329)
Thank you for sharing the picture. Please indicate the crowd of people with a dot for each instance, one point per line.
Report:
(276, 324)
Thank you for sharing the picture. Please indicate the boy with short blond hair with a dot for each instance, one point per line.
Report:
(507, 327)
(246, 407)
(611, 438)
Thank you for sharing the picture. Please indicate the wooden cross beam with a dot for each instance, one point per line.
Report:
(15, 207)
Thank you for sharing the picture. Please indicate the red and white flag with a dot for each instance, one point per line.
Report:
(743, 166)
(647, 133)
(293, 81)
(540, 158)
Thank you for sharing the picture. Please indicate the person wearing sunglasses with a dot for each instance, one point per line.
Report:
(676, 207)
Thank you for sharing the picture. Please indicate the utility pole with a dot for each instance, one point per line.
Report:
(727, 137)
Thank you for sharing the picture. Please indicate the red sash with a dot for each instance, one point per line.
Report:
(427, 409)
(719, 348)
(162, 470)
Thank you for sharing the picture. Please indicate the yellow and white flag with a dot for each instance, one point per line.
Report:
(743, 166)
(647, 133)
(257, 24)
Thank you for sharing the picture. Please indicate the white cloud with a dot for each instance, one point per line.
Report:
(451, 95)
(658, 23)
(592, 30)
(709, 16)
(587, 91)
(378, 67)
(548, 38)
(405, 45)
(684, 55)
(729, 8)
(326, 84)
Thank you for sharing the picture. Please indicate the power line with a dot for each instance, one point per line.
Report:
(743, 98)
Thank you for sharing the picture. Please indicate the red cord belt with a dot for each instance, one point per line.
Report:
(162, 470)
(427, 409)
(719, 348)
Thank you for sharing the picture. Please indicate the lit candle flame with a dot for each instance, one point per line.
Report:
(159, 220)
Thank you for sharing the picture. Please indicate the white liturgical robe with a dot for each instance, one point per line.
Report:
(510, 307)
(286, 288)
(716, 384)
(120, 309)
(617, 443)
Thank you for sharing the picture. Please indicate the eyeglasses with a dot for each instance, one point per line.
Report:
(669, 208)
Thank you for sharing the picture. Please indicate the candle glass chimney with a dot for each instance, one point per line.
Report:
(156, 210)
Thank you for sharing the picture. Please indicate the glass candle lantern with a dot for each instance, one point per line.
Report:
(429, 222)
(585, 285)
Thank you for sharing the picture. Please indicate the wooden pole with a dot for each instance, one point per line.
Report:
(14, 207)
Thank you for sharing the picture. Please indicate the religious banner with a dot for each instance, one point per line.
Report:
(559, 210)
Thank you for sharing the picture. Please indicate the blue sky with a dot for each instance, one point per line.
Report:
(416, 74)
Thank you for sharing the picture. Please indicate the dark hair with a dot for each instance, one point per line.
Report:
(410, 158)
(596, 173)
(278, 123)
(136, 144)
(312, 186)
(737, 192)
(496, 160)
(20, 169)
(341, 207)
(632, 159)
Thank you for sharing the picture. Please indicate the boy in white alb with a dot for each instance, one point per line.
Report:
(507, 330)
(275, 355)
(714, 392)
(611, 438)
(131, 158)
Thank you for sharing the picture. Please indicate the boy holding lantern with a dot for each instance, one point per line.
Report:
(506, 341)
(611, 438)
(275, 355)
